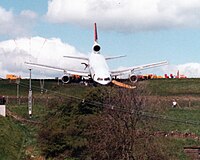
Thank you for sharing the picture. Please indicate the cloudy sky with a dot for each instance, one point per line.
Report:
(146, 31)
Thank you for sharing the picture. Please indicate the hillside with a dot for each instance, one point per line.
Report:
(162, 87)
(9, 88)
(55, 111)
(11, 139)
(174, 87)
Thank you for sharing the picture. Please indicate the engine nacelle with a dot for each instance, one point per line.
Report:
(65, 78)
(133, 78)
(96, 48)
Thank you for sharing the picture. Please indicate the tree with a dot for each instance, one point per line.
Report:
(120, 131)
(107, 124)
(60, 134)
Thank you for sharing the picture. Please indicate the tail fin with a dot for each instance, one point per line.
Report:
(95, 33)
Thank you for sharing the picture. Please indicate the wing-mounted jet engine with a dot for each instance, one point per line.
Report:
(133, 78)
(65, 78)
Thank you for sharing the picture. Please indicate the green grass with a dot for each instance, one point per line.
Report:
(163, 87)
(19, 140)
(38, 111)
(12, 138)
(157, 87)
(167, 87)
(182, 116)
(51, 88)
(175, 147)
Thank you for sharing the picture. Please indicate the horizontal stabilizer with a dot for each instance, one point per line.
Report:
(114, 57)
(73, 57)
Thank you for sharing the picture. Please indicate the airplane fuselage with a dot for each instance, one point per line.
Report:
(99, 69)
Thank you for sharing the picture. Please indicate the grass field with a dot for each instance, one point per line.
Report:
(18, 141)
(174, 87)
(12, 139)
(180, 120)
(162, 87)
(8, 88)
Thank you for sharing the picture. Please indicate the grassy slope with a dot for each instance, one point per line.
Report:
(184, 88)
(10, 89)
(12, 138)
(182, 115)
(171, 87)
(15, 138)
(162, 87)
(19, 141)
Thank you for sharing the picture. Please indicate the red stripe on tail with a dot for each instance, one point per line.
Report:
(95, 33)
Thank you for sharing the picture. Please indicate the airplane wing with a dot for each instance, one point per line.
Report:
(114, 57)
(66, 71)
(74, 57)
(137, 68)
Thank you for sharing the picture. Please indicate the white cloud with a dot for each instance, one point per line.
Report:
(5, 16)
(13, 54)
(15, 25)
(28, 14)
(127, 14)
(6, 21)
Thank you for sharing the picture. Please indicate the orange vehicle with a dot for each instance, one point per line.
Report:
(12, 77)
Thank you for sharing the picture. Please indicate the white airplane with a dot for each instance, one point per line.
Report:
(97, 66)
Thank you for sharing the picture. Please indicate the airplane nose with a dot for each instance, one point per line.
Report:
(104, 82)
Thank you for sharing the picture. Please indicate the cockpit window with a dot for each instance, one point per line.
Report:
(107, 79)
(99, 79)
